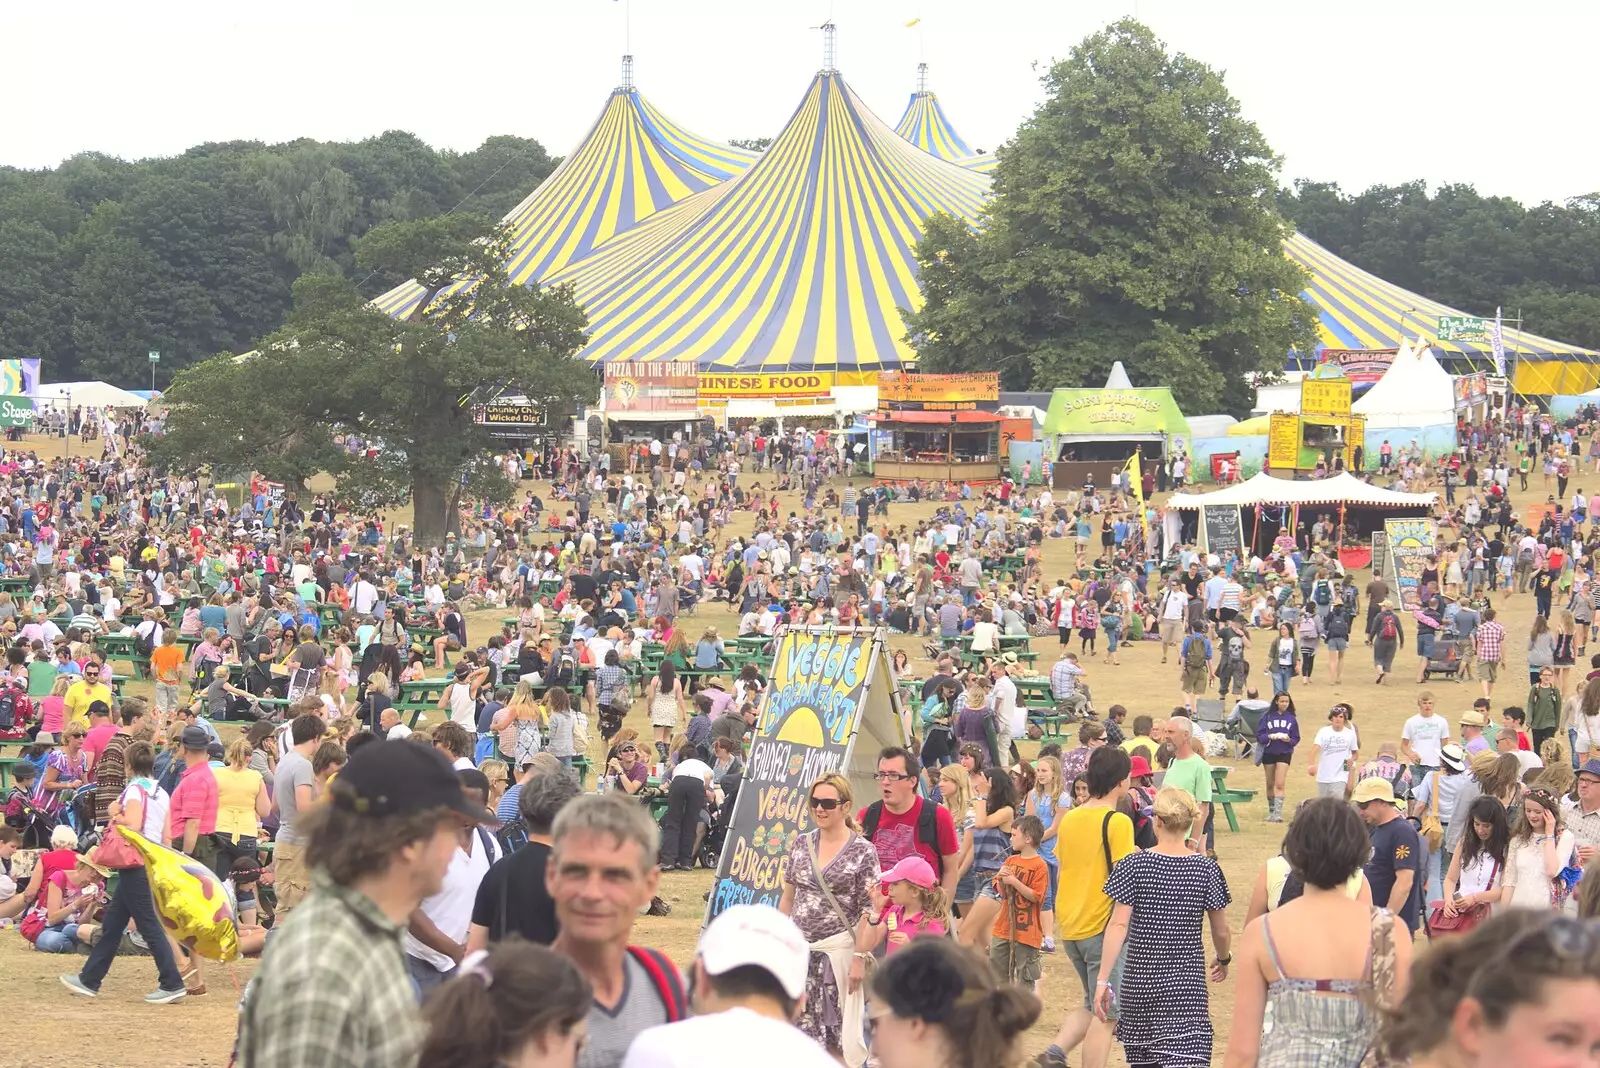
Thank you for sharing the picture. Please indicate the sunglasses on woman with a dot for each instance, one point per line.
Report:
(826, 804)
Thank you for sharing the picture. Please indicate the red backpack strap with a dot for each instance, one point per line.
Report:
(664, 976)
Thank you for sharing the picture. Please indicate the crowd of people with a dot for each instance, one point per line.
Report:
(380, 862)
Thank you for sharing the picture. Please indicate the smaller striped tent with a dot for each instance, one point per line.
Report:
(926, 125)
(1361, 311)
(633, 164)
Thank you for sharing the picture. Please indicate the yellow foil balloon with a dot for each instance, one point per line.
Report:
(190, 900)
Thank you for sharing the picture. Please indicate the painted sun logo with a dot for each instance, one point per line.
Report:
(1401, 852)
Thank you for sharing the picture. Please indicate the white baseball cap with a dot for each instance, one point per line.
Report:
(757, 936)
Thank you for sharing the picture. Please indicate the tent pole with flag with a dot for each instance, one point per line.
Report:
(1497, 340)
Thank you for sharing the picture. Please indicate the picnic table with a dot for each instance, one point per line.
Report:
(1222, 795)
(970, 657)
(1034, 690)
(421, 696)
(15, 583)
(329, 613)
(1007, 641)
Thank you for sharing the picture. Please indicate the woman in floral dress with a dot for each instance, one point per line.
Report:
(831, 918)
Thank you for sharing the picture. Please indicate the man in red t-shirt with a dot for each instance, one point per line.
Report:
(893, 823)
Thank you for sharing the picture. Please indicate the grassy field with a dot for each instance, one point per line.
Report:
(198, 1031)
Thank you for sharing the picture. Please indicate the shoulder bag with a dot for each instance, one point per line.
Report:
(1431, 829)
(1465, 919)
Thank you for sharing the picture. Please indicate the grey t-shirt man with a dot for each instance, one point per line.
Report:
(293, 770)
(613, 1029)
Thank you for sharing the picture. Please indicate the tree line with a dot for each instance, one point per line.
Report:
(1470, 251)
(102, 260)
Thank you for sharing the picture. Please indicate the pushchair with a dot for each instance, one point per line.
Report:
(1446, 658)
(717, 835)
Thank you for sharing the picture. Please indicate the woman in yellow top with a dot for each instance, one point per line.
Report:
(242, 803)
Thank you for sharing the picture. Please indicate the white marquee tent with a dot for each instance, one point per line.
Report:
(1343, 488)
(85, 395)
(1415, 392)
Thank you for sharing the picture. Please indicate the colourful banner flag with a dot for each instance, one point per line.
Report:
(1498, 340)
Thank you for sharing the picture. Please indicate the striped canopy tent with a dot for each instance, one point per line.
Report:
(1361, 311)
(800, 263)
(925, 125)
(632, 165)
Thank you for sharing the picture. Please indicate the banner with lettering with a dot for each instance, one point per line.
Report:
(819, 684)
(1411, 543)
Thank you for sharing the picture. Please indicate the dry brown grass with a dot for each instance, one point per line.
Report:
(199, 1031)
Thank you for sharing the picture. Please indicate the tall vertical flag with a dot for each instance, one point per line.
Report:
(1136, 489)
(1498, 340)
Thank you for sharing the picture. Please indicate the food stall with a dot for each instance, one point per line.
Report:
(942, 427)
(1324, 429)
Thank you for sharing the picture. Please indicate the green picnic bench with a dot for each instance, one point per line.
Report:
(421, 696)
(15, 583)
(1222, 795)
(122, 647)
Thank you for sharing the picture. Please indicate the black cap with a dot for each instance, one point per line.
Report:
(195, 737)
(401, 777)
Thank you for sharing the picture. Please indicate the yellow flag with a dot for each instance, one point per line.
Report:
(1136, 487)
(913, 22)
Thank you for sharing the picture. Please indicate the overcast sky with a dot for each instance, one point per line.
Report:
(1359, 93)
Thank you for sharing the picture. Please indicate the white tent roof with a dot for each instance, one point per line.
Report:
(1414, 392)
(87, 394)
(1343, 488)
(1118, 378)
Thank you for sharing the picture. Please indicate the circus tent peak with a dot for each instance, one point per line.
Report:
(633, 163)
(926, 125)
(802, 262)
(1118, 378)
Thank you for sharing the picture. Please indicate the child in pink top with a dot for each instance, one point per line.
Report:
(915, 905)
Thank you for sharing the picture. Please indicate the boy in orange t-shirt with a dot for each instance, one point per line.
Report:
(166, 664)
(1022, 881)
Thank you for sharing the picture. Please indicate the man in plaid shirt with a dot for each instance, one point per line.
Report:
(1489, 644)
(333, 990)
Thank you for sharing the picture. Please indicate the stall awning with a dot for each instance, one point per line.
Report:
(938, 417)
(629, 415)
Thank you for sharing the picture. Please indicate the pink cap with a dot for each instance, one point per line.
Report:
(1138, 766)
(914, 870)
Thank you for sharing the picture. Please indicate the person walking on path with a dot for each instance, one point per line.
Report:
(1195, 657)
(1092, 839)
(828, 885)
(1164, 897)
(1385, 633)
(143, 808)
(1277, 735)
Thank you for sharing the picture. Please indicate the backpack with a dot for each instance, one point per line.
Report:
(1144, 824)
(145, 644)
(1324, 595)
(1194, 655)
(1338, 623)
(1387, 630)
(8, 708)
(927, 828)
(1348, 600)
(1525, 556)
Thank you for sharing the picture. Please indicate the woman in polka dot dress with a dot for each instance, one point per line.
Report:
(1161, 896)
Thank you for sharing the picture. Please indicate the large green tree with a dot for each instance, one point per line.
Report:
(339, 370)
(1133, 220)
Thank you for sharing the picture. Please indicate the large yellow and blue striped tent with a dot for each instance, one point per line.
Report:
(1359, 310)
(800, 263)
(925, 125)
(632, 165)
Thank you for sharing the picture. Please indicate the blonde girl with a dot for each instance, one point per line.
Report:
(499, 776)
(1048, 801)
(1566, 641)
(955, 791)
(519, 725)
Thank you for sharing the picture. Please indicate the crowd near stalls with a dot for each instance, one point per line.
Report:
(441, 845)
